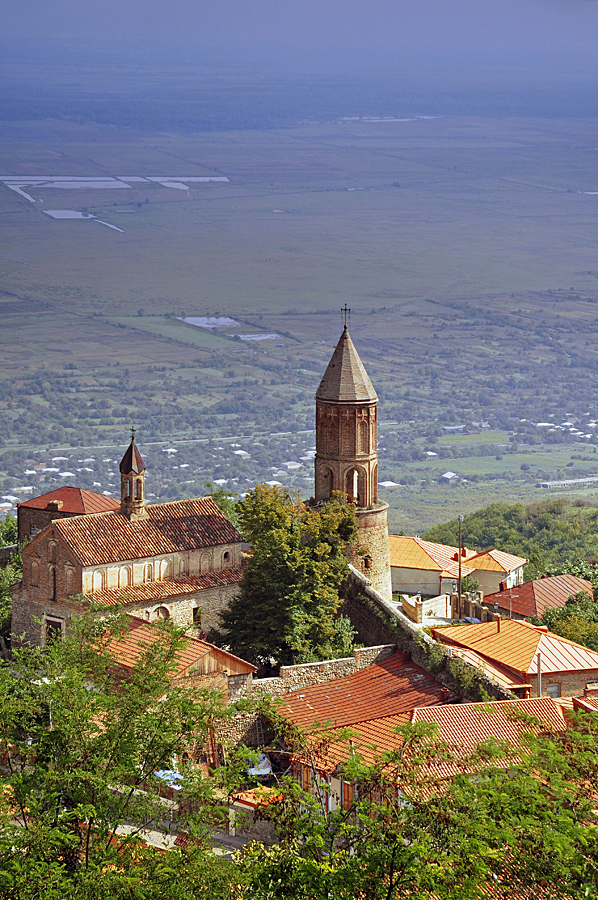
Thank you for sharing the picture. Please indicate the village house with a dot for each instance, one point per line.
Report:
(430, 569)
(373, 728)
(179, 560)
(206, 665)
(528, 660)
(534, 598)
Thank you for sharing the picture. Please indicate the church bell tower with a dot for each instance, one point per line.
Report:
(347, 455)
(132, 483)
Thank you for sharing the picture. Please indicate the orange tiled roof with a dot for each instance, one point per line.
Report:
(517, 644)
(460, 725)
(496, 561)
(163, 590)
(391, 687)
(534, 597)
(505, 676)
(465, 725)
(169, 527)
(128, 649)
(74, 500)
(415, 553)
(589, 704)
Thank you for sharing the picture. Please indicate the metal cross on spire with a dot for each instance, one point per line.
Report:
(346, 313)
(132, 433)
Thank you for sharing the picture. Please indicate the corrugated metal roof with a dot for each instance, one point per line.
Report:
(497, 561)
(415, 553)
(169, 527)
(128, 649)
(534, 597)
(589, 704)
(346, 380)
(163, 590)
(517, 644)
(391, 687)
(74, 500)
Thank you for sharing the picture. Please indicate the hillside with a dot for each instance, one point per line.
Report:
(550, 534)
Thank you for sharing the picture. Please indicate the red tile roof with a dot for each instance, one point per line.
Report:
(391, 687)
(74, 500)
(128, 649)
(534, 597)
(465, 725)
(164, 590)
(516, 645)
(169, 527)
(589, 704)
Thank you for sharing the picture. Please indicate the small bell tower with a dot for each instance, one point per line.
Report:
(132, 483)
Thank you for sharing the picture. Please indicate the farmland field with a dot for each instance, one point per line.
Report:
(465, 248)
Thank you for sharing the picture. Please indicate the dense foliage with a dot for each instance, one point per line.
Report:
(9, 574)
(287, 606)
(78, 739)
(515, 821)
(550, 534)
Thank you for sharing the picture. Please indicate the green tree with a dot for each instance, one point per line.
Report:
(287, 606)
(577, 620)
(81, 743)
(513, 821)
(9, 574)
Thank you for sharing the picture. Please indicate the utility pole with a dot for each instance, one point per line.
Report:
(460, 523)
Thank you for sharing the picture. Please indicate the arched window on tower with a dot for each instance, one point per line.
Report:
(352, 486)
(138, 489)
(364, 436)
(347, 448)
(326, 482)
(128, 489)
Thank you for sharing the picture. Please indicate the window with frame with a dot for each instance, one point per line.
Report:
(553, 690)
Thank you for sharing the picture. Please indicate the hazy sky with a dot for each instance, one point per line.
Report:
(460, 26)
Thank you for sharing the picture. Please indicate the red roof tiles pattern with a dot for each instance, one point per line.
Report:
(164, 590)
(169, 527)
(391, 687)
(534, 597)
(74, 500)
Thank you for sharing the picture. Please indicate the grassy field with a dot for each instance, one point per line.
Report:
(464, 248)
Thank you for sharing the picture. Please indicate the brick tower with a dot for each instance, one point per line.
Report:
(347, 455)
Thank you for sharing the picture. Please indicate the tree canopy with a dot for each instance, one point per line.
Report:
(554, 534)
(81, 743)
(288, 601)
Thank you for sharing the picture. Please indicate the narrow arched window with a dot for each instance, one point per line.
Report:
(147, 573)
(138, 489)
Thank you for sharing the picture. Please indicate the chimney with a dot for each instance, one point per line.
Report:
(498, 625)
(444, 694)
(54, 505)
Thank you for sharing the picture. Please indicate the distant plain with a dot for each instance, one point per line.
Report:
(464, 246)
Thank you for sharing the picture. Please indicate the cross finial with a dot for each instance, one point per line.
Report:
(346, 313)
(132, 434)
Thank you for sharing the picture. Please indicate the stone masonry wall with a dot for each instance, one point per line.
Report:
(252, 729)
(376, 620)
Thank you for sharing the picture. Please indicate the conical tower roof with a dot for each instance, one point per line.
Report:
(132, 461)
(346, 380)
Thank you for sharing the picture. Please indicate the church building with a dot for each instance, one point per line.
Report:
(179, 560)
(347, 455)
